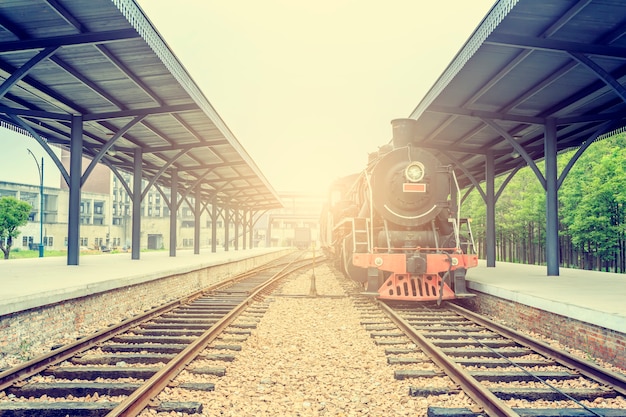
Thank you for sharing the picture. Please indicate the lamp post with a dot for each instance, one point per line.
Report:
(40, 171)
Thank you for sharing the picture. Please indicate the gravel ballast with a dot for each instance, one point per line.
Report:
(309, 356)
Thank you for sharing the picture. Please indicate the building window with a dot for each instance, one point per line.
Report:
(48, 241)
(84, 241)
(27, 241)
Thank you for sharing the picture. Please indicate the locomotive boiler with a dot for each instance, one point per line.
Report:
(396, 228)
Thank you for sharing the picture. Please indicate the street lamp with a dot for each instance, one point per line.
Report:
(40, 171)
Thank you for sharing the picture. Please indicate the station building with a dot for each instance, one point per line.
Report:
(106, 210)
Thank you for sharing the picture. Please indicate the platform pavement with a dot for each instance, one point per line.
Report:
(594, 297)
(29, 283)
(589, 296)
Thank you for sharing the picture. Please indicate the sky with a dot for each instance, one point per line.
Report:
(308, 88)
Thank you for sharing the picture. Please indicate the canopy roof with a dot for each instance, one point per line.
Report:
(528, 64)
(102, 60)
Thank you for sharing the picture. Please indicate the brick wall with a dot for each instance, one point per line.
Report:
(597, 342)
(29, 333)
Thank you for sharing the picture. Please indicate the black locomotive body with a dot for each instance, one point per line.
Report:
(396, 227)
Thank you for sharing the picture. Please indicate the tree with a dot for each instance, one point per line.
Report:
(13, 214)
(593, 202)
(592, 211)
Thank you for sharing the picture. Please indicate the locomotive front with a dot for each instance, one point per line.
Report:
(400, 232)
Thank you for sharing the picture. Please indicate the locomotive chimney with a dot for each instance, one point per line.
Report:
(403, 131)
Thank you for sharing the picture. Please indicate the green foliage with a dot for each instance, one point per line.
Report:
(13, 214)
(593, 197)
(592, 209)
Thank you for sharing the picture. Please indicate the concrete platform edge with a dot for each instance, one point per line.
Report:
(598, 318)
(121, 280)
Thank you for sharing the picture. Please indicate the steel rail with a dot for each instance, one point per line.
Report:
(40, 363)
(135, 403)
(492, 405)
(614, 380)
(22, 371)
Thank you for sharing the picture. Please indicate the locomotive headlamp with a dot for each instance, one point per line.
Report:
(414, 172)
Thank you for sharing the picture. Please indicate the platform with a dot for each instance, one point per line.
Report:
(593, 297)
(34, 282)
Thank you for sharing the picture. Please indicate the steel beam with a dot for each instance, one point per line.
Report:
(226, 212)
(173, 211)
(197, 213)
(237, 220)
(552, 203)
(245, 228)
(137, 197)
(490, 201)
(76, 171)
(213, 227)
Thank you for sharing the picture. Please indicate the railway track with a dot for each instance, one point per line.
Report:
(505, 372)
(120, 370)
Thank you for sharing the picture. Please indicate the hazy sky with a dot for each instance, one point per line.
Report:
(307, 87)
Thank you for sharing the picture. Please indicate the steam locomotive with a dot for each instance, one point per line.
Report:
(396, 226)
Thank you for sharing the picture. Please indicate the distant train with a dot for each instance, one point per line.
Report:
(396, 226)
(302, 238)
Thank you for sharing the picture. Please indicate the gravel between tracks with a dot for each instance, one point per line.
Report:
(309, 357)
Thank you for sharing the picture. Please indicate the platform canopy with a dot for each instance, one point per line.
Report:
(102, 62)
(529, 64)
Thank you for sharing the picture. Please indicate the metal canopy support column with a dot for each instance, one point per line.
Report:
(196, 224)
(76, 171)
(237, 220)
(244, 222)
(490, 200)
(552, 203)
(173, 211)
(251, 225)
(136, 232)
(226, 212)
(213, 227)
(268, 236)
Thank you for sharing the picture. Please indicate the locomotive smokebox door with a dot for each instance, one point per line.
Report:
(406, 201)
